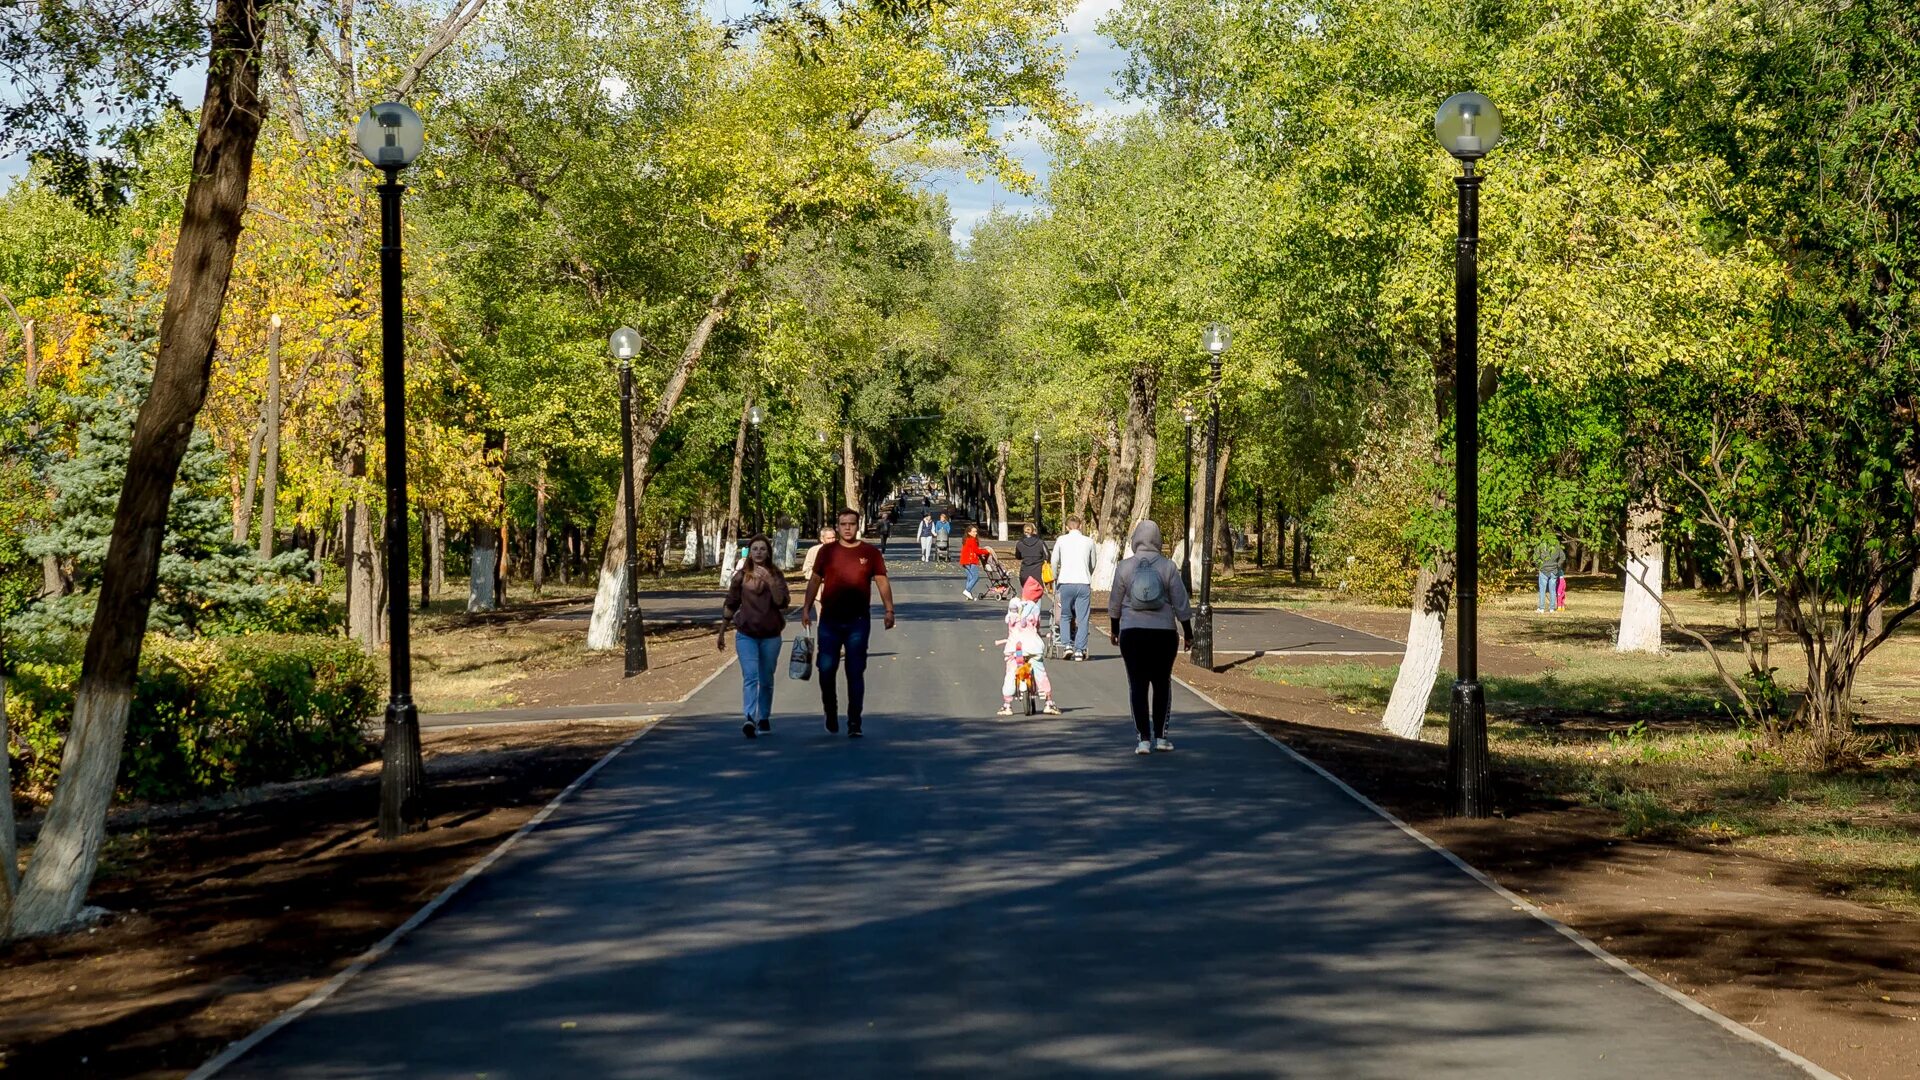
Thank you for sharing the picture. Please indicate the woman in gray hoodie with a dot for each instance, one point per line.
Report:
(1149, 615)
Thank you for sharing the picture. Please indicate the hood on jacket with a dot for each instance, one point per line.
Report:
(1146, 538)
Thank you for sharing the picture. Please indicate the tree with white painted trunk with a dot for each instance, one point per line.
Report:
(1646, 562)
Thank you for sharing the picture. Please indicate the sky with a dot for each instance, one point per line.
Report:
(1093, 64)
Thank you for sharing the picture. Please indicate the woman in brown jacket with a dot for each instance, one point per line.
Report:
(756, 609)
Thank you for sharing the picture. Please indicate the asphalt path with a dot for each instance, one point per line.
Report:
(960, 896)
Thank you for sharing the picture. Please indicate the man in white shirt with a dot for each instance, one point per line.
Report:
(1073, 560)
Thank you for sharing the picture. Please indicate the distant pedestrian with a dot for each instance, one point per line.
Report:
(756, 608)
(1074, 556)
(1032, 553)
(1147, 602)
(926, 537)
(970, 552)
(886, 527)
(843, 578)
(1551, 559)
(942, 537)
(806, 564)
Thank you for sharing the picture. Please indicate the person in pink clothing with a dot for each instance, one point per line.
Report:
(1023, 641)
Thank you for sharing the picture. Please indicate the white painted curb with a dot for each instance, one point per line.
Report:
(235, 1051)
(1521, 904)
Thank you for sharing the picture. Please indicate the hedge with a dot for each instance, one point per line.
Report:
(208, 715)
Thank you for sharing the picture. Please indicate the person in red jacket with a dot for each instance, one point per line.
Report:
(971, 550)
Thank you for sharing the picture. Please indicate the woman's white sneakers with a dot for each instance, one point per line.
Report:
(1144, 748)
(1162, 745)
(966, 594)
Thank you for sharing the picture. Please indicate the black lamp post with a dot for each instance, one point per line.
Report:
(1186, 502)
(1468, 126)
(1039, 529)
(1214, 339)
(624, 343)
(390, 135)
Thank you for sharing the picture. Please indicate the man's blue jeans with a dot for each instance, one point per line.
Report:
(850, 635)
(759, 663)
(1549, 591)
(1077, 602)
(973, 575)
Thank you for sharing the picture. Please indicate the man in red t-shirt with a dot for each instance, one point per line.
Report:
(843, 576)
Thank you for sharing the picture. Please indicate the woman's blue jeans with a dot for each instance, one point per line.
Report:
(1549, 591)
(973, 575)
(759, 663)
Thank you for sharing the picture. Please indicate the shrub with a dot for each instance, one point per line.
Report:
(208, 715)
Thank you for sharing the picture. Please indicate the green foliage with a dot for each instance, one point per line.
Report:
(206, 582)
(1362, 534)
(209, 715)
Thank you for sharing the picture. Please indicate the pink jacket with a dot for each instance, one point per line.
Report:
(1023, 628)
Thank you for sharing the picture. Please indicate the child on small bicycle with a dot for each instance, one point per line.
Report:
(1024, 648)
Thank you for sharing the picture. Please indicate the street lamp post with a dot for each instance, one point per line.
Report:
(391, 136)
(1186, 502)
(1038, 528)
(624, 343)
(1468, 126)
(1214, 339)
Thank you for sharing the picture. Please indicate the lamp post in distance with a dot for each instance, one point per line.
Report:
(390, 136)
(624, 344)
(1467, 126)
(1038, 528)
(1214, 341)
(756, 414)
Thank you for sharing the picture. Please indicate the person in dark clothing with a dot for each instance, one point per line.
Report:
(843, 576)
(756, 608)
(1032, 553)
(1147, 600)
(1551, 559)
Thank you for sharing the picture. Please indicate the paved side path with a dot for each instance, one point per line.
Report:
(956, 896)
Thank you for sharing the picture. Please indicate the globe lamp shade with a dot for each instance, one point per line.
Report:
(390, 135)
(1467, 125)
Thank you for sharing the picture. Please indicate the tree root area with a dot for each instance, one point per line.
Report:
(1759, 940)
(219, 921)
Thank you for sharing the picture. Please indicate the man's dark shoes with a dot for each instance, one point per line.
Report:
(833, 723)
(853, 729)
(748, 729)
(766, 725)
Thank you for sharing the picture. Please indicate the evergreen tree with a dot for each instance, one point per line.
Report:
(207, 583)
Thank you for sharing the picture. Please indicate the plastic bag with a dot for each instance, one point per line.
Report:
(801, 665)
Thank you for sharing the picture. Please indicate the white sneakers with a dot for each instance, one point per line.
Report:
(1162, 745)
(1051, 709)
(1144, 748)
(1005, 710)
(966, 594)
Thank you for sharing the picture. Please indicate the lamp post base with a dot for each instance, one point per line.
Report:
(402, 805)
(1469, 783)
(636, 634)
(1202, 653)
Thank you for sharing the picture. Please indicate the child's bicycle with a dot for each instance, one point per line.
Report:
(1023, 689)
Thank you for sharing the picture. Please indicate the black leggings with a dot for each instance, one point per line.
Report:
(1149, 657)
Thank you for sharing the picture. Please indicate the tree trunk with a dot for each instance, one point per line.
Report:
(364, 623)
(1299, 555)
(1646, 560)
(1115, 505)
(540, 530)
(850, 476)
(730, 536)
(500, 568)
(439, 553)
(1083, 492)
(426, 557)
(1000, 452)
(1426, 637)
(69, 843)
(9, 847)
(481, 568)
(603, 632)
(243, 506)
(270, 478)
(1222, 532)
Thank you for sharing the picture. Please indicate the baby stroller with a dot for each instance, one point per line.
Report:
(940, 552)
(1056, 646)
(999, 585)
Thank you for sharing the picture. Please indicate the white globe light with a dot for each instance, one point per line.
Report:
(1215, 338)
(390, 135)
(1468, 125)
(624, 343)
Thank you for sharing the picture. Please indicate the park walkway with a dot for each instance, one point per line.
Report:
(960, 896)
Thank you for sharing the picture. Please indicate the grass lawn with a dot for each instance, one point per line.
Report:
(1656, 739)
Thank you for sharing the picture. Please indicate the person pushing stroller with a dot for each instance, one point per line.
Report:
(1024, 645)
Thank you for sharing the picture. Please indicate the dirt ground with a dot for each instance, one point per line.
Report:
(1756, 939)
(222, 919)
